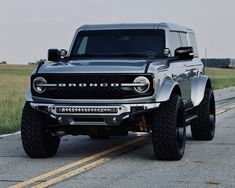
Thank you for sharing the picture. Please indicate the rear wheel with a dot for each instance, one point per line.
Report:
(168, 129)
(204, 127)
(36, 139)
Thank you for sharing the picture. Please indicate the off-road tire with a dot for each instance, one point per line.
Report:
(168, 130)
(204, 127)
(36, 140)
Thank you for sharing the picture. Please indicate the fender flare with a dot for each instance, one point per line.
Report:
(198, 87)
(167, 88)
(29, 95)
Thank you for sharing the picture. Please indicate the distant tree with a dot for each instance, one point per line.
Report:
(3, 62)
(232, 63)
(40, 60)
(216, 62)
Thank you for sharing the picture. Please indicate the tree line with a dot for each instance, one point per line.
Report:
(219, 63)
(3, 62)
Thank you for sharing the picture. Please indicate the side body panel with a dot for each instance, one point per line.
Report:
(179, 75)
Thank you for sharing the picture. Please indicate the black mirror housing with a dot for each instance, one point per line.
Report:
(184, 53)
(54, 55)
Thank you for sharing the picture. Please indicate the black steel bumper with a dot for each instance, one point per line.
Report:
(90, 115)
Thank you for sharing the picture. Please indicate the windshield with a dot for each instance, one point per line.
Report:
(119, 43)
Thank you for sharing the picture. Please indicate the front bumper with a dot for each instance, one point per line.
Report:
(97, 114)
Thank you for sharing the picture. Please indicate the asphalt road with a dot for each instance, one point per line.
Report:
(127, 161)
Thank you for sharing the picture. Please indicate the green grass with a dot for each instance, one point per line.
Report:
(221, 78)
(14, 80)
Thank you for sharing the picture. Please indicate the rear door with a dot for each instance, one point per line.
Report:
(188, 65)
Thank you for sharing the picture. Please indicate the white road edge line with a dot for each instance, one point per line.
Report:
(6, 135)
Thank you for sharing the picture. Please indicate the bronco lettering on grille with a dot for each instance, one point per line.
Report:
(89, 85)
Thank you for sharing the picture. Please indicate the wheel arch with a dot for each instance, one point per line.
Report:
(167, 89)
(29, 95)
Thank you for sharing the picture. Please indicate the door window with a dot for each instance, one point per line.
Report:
(184, 39)
(174, 40)
(193, 43)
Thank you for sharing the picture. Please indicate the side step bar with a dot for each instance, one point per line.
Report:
(189, 120)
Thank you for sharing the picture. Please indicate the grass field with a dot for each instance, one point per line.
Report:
(221, 78)
(14, 80)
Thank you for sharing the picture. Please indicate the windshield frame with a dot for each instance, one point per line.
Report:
(78, 40)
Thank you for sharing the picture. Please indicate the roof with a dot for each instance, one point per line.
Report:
(169, 26)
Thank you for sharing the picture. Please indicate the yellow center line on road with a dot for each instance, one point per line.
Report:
(85, 160)
(225, 109)
(72, 173)
(77, 163)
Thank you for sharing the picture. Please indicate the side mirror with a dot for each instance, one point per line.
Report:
(184, 53)
(54, 55)
(63, 53)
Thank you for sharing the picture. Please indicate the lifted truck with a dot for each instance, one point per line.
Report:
(119, 78)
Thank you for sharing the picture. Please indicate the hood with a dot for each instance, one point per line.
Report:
(95, 66)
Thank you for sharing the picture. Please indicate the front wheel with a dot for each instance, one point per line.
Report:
(37, 141)
(168, 129)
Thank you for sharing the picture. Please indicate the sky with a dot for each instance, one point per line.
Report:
(28, 28)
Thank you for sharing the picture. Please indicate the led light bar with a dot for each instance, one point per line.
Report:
(86, 110)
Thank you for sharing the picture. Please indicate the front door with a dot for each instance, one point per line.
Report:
(181, 74)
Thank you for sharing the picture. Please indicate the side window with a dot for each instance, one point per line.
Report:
(184, 39)
(82, 47)
(193, 43)
(174, 40)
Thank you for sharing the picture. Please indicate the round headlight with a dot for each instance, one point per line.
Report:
(142, 84)
(39, 84)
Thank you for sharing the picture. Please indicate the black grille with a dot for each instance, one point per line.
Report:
(98, 92)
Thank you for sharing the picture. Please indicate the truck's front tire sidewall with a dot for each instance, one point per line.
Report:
(36, 140)
(168, 130)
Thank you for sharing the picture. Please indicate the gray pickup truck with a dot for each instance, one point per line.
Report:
(119, 78)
